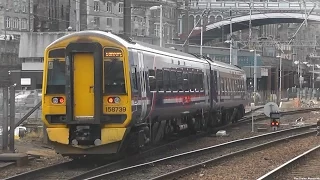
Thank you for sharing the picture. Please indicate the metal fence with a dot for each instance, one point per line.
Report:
(25, 100)
(266, 96)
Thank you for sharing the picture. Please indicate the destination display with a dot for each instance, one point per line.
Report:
(110, 52)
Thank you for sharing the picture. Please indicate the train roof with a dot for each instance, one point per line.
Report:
(133, 44)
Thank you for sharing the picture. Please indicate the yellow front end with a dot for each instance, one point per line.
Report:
(86, 109)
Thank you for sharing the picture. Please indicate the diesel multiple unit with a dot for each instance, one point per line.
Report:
(106, 94)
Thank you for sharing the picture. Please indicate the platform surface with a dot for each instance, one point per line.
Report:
(12, 156)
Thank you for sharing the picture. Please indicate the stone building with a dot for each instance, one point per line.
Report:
(51, 15)
(15, 16)
(108, 16)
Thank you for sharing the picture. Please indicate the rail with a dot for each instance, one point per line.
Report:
(217, 152)
(277, 171)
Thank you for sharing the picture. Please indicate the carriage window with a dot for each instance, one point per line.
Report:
(166, 80)
(236, 86)
(173, 78)
(201, 81)
(152, 80)
(114, 77)
(185, 81)
(56, 79)
(179, 80)
(159, 77)
(222, 85)
(191, 81)
(232, 85)
(134, 79)
(226, 85)
(197, 81)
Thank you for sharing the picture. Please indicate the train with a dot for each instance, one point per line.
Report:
(106, 94)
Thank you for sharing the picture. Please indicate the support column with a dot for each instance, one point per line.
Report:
(276, 80)
(286, 80)
(127, 18)
(269, 80)
(291, 79)
(12, 117)
(5, 119)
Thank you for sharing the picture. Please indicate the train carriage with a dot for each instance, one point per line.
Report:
(105, 94)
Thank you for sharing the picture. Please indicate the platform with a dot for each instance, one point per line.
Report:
(20, 158)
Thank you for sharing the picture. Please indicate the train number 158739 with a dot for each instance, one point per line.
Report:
(116, 109)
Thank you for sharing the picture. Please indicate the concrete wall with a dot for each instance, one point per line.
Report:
(34, 44)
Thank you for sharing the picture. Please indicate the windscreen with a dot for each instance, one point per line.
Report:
(56, 79)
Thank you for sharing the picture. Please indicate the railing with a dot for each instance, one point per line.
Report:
(24, 102)
(297, 6)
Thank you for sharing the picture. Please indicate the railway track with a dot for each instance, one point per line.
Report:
(306, 165)
(174, 166)
(80, 170)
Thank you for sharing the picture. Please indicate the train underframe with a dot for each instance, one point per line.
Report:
(141, 136)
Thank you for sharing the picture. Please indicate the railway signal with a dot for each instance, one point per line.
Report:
(271, 110)
(275, 120)
(274, 123)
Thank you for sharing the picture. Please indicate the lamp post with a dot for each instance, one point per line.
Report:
(201, 34)
(230, 53)
(161, 19)
(280, 78)
(254, 75)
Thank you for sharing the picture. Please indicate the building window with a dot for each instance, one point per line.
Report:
(121, 8)
(179, 26)
(96, 6)
(24, 7)
(8, 22)
(157, 30)
(16, 6)
(96, 21)
(109, 7)
(16, 23)
(23, 24)
(109, 22)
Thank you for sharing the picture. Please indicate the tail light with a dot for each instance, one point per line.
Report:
(113, 100)
(57, 100)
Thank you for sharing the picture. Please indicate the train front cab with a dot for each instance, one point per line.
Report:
(86, 102)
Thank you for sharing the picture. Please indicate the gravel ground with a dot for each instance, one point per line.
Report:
(49, 157)
(307, 168)
(242, 131)
(157, 169)
(256, 164)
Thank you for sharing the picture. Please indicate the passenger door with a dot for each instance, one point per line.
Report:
(83, 78)
(143, 85)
